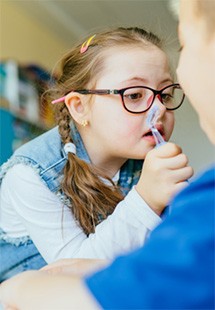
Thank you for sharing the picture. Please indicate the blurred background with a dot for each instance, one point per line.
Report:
(35, 34)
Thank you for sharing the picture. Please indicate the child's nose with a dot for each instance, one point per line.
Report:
(160, 105)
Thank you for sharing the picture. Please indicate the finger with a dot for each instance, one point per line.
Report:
(181, 175)
(167, 150)
(176, 162)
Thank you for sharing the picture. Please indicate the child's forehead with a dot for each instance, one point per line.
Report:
(140, 66)
(135, 59)
(132, 54)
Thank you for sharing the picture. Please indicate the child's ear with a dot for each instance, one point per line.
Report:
(77, 106)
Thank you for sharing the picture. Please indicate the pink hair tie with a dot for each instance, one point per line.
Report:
(86, 44)
(61, 99)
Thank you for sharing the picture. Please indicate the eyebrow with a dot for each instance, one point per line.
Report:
(166, 80)
(146, 81)
(136, 79)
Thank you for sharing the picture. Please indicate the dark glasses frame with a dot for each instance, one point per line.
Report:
(122, 91)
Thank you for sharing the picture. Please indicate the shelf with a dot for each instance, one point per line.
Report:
(22, 115)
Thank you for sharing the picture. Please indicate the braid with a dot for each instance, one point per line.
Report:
(91, 200)
(63, 118)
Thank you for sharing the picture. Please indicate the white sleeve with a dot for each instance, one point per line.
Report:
(57, 234)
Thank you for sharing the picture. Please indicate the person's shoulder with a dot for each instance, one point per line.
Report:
(199, 193)
(206, 178)
(21, 172)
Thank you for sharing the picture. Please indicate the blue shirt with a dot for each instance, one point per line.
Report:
(175, 268)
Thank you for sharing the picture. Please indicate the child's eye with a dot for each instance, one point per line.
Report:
(133, 96)
(166, 97)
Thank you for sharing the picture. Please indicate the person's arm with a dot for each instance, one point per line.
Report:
(75, 266)
(44, 218)
(38, 290)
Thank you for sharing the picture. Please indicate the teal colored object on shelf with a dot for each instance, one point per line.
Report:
(6, 135)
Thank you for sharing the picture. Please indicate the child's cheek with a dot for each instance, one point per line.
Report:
(133, 126)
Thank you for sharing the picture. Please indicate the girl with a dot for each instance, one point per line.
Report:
(70, 192)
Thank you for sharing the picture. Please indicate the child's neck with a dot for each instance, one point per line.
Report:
(110, 168)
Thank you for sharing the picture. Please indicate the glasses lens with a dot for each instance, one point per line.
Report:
(137, 99)
(172, 97)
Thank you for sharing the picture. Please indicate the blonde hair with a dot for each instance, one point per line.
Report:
(91, 199)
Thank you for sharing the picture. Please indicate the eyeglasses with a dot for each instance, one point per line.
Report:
(139, 99)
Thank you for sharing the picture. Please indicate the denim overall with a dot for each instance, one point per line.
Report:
(46, 155)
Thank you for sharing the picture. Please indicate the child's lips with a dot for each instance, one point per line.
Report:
(149, 134)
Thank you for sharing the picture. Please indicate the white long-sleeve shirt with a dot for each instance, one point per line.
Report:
(29, 208)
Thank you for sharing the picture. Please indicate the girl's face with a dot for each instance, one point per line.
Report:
(196, 69)
(114, 133)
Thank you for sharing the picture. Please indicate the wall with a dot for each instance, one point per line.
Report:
(24, 39)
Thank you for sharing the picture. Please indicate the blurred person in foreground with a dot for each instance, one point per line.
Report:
(175, 268)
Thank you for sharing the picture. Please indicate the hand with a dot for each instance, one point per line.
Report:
(72, 266)
(9, 290)
(39, 290)
(164, 173)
